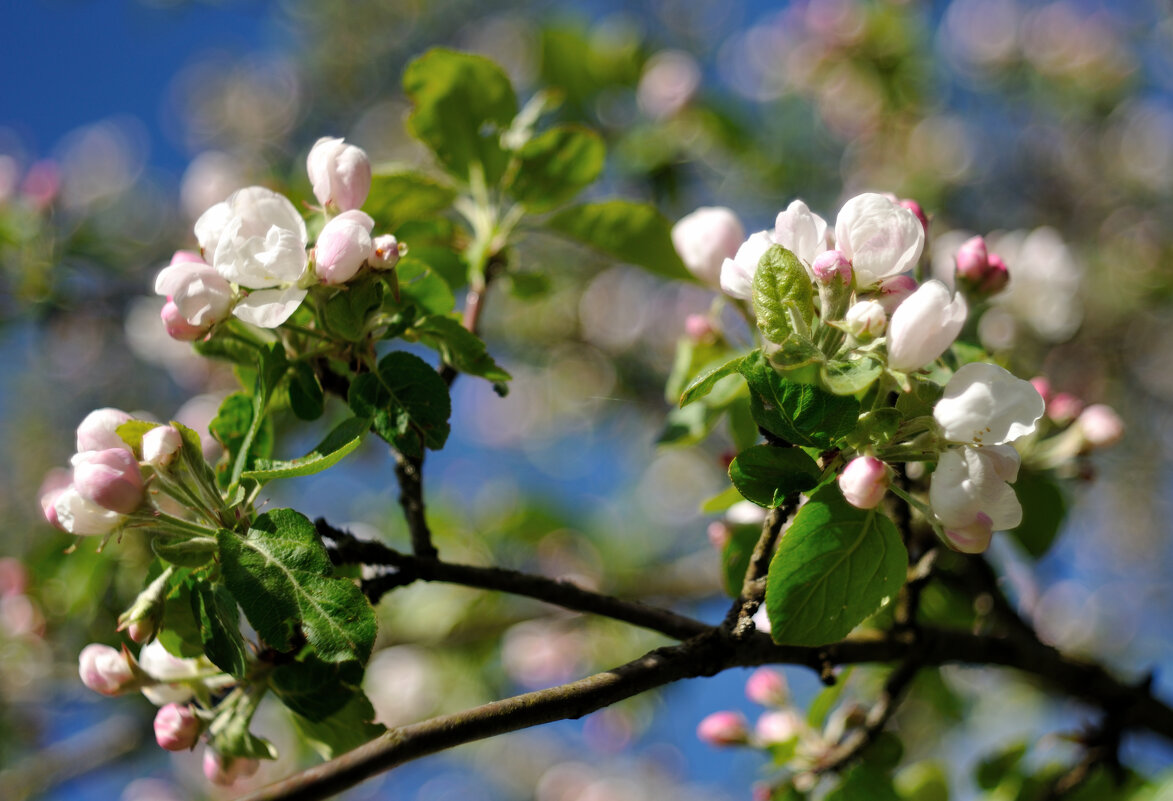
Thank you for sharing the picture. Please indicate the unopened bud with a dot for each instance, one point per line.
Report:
(719, 534)
(177, 728)
(104, 669)
(225, 770)
(160, 445)
(79, 515)
(705, 238)
(109, 478)
(864, 481)
(778, 726)
(767, 687)
(917, 211)
(997, 276)
(699, 328)
(386, 252)
(99, 430)
(1100, 426)
(893, 291)
(1063, 407)
(56, 481)
(831, 265)
(340, 174)
(974, 538)
(177, 326)
(865, 320)
(972, 260)
(723, 728)
(1042, 386)
(924, 326)
(343, 246)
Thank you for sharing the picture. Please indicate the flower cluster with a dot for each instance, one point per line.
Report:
(253, 261)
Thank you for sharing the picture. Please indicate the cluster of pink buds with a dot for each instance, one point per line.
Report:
(1078, 428)
(980, 272)
(778, 725)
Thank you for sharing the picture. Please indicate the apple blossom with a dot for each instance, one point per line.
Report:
(864, 481)
(170, 671)
(199, 294)
(972, 481)
(226, 770)
(972, 538)
(801, 231)
(669, 80)
(1100, 426)
(984, 404)
(778, 726)
(160, 445)
(831, 265)
(260, 247)
(104, 669)
(55, 482)
(340, 174)
(972, 260)
(865, 320)
(880, 237)
(1063, 407)
(705, 238)
(699, 328)
(1042, 385)
(177, 326)
(109, 478)
(924, 326)
(385, 252)
(177, 728)
(79, 515)
(917, 211)
(99, 430)
(767, 687)
(343, 246)
(737, 273)
(894, 291)
(723, 728)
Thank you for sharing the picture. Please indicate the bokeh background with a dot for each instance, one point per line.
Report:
(1049, 125)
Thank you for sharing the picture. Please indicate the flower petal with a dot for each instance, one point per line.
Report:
(269, 308)
(984, 404)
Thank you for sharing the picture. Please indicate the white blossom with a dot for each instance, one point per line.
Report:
(340, 173)
(705, 238)
(984, 404)
(924, 326)
(881, 237)
(801, 231)
(737, 273)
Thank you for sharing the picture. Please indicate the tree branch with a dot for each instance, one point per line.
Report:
(739, 620)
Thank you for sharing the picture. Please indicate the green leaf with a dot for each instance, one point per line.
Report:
(703, 384)
(229, 732)
(766, 474)
(314, 689)
(801, 414)
(345, 730)
(306, 397)
(405, 195)
(721, 501)
(835, 566)
(219, 618)
(419, 284)
(919, 402)
(192, 455)
(131, 432)
(232, 427)
(184, 553)
(407, 402)
(280, 576)
(795, 352)
(462, 103)
(630, 232)
(1044, 508)
(783, 297)
(460, 347)
(826, 699)
(993, 769)
(850, 377)
(555, 166)
(339, 443)
(735, 557)
(690, 425)
(346, 313)
(865, 781)
(180, 634)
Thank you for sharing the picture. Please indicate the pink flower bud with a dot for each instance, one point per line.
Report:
(924, 326)
(973, 260)
(719, 534)
(99, 430)
(343, 246)
(919, 212)
(767, 687)
(865, 320)
(177, 326)
(997, 276)
(226, 770)
(831, 265)
(723, 728)
(1063, 407)
(104, 669)
(699, 328)
(177, 728)
(386, 252)
(340, 174)
(56, 481)
(142, 630)
(894, 290)
(778, 726)
(160, 446)
(974, 538)
(1042, 386)
(1100, 426)
(705, 238)
(864, 482)
(109, 478)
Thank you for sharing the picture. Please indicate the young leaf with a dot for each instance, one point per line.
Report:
(556, 165)
(131, 432)
(782, 295)
(461, 104)
(349, 727)
(703, 384)
(184, 553)
(407, 402)
(834, 567)
(306, 397)
(631, 232)
(339, 443)
(347, 312)
(314, 689)
(232, 427)
(404, 195)
(766, 474)
(460, 347)
(280, 576)
(850, 377)
(801, 414)
(180, 634)
(419, 284)
(219, 618)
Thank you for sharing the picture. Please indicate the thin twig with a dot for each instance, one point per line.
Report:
(739, 620)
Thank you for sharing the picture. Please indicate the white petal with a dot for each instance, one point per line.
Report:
(969, 481)
(801, 231)
(257, 262)
(268, 308)
(210, 226)
(924, 326)
(984, 404)
(881, 237)
(260, 209)
(737, 273)
(79, 515)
